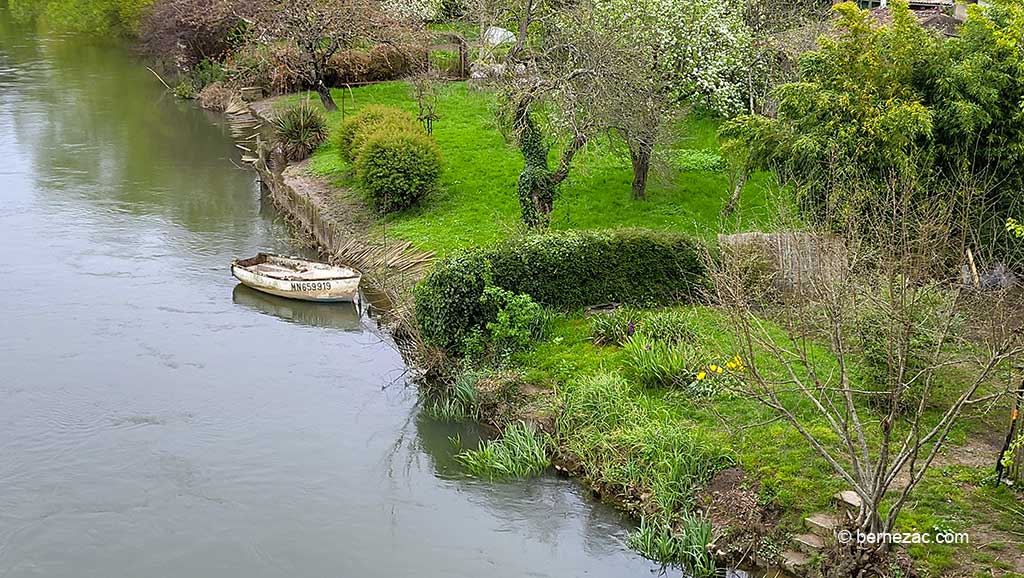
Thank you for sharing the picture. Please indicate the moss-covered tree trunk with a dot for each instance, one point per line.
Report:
(538, 183)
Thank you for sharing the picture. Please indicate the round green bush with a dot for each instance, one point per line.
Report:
(404, 123)
(363, 122)
(299, 129)
(396, 168)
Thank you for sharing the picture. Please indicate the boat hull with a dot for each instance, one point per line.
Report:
(322, 290)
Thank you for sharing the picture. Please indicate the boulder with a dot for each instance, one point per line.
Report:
(496, 35)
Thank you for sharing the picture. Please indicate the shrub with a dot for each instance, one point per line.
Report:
(563, 270)
(299, 129)
(398, 123)
(396, 168)
(517, 321)
(520, 452)
(203, 74)
(369, 117)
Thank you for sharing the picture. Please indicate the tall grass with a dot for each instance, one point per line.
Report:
(655, 363)
(520, 452)
(633, 449)
(686, 543)
(457, 401)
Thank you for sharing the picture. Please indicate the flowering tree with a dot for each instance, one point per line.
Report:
(679, 52)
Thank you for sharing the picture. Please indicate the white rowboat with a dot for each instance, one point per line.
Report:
(297, 278)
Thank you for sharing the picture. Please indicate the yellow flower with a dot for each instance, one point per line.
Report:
(714, 368)
(701, 376)
(730, 364)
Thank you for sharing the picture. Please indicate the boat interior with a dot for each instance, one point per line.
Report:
(288, 269)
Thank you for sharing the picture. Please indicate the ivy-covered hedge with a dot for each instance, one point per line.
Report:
(565, 270)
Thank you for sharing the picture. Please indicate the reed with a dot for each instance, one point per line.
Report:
(520, 452)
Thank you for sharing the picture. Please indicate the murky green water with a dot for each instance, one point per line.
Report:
(155, 420)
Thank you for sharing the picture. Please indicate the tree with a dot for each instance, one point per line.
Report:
(320, 28)
(941, 350)
(192, 30)
(898, 99)
(676, 53)
(552, 104)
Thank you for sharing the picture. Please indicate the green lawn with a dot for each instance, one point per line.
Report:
(792, 479)
(476, 203)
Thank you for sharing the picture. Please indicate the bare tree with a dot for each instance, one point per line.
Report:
(879, 435)
(320, 28)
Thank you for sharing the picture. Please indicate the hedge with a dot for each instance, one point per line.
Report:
(564, 270)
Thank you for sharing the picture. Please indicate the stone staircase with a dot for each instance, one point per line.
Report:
(821, 531)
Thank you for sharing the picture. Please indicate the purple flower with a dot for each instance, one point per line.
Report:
(630, 329)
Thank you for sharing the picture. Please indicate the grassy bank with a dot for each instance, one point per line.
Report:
(660, 451)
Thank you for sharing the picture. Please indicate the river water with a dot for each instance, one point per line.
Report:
(156, 420)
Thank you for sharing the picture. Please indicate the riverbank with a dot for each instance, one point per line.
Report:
(665, 451)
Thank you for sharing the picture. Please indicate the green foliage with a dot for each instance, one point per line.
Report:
(1015, 228)
(354, 130)
(520, 452)
(562, 270)
(655, 363)
(299, 129)
(204, 73)
(631, 448)
(686, 543)
(101, 17)
(396, 168)
(703, 161)
(667, 325)
(517, 321)
(457, 401)
(878, 105)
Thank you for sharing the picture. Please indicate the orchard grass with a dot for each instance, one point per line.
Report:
(476, 204)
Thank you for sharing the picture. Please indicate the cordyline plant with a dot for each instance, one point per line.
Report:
(910, 348)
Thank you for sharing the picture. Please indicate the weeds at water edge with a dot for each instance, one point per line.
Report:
(686, 544)
(520, 452)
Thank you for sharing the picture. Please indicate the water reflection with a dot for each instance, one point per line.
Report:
(343, 316)
(157, 421)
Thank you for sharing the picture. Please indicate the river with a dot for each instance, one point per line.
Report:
(156, 420)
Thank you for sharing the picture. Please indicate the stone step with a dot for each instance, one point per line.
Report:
(793, 561)
(822, 524)
(848, 499)
(809, 543)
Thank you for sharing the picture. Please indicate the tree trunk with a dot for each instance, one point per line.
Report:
(325, 96)
(640, 154)
(734, 198)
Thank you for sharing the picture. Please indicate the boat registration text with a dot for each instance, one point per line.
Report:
(311, 285)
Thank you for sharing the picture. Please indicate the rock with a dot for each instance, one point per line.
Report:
(848, 499)
(495, 36)
(793, 561)
(822, 524)
(809, 543)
